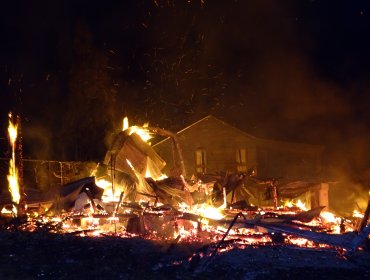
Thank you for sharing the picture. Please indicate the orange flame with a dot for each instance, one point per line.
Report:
(13, 172)
(299, 204)
(142, 131)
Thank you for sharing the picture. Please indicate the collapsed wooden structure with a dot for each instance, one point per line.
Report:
(169, 210)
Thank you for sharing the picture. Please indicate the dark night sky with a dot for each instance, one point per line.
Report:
(294, 70)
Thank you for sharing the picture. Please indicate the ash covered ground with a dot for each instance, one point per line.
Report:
(26, 255)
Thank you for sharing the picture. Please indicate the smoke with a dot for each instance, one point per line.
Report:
(276, 69)
(272, 80)
(269, 68)
(347, 195)
(37, 141)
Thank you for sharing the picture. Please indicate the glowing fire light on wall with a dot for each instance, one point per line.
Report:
(13, 172)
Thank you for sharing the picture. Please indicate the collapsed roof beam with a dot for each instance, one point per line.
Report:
(176, 148)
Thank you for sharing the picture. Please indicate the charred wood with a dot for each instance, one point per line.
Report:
(136, 225)
(366, 217)
(350, 241)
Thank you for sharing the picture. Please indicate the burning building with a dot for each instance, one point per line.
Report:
(211, 145)
(135, 198)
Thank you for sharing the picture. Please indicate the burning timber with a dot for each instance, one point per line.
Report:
(158, 221)
(132, 199)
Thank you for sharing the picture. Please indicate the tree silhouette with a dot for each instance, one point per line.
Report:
(90, 112)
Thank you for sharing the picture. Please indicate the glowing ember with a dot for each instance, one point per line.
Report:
(9, 211)
(13, 173)
(89, 222)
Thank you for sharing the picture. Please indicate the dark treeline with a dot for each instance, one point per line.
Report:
(290, 70)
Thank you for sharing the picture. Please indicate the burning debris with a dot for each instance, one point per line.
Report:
(132, 197)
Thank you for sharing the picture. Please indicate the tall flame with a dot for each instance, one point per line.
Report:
(12, 131)
(13, 172)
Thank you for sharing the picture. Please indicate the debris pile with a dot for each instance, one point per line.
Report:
(132, 198)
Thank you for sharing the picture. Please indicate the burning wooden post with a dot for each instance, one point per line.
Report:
(22, 206)
(15, 172)
(273, 185)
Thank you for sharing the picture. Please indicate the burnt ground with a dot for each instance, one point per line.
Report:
(27, 255)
